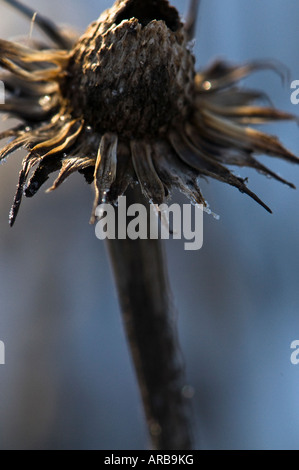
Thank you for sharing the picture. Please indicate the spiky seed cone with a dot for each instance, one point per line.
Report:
(137, 76)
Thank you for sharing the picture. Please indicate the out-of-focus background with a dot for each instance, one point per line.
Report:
(68, 382)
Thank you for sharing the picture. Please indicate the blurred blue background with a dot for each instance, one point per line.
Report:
(68, 381)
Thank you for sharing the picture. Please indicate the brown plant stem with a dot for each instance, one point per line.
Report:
(43, 23)
(145, 300)
(191, 18)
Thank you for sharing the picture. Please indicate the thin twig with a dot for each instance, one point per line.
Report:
(142, 283)
(191, 18)
(47, 26)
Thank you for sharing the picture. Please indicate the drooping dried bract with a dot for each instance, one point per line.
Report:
(123, 103)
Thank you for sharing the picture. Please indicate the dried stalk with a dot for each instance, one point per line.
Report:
(46, 25)
(147, 308)
(191, 18)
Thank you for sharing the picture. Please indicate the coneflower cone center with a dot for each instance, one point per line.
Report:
(130, 78)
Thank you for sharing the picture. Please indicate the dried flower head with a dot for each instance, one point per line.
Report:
(123, 103)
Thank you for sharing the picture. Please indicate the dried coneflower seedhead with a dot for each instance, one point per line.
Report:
(123, 103)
